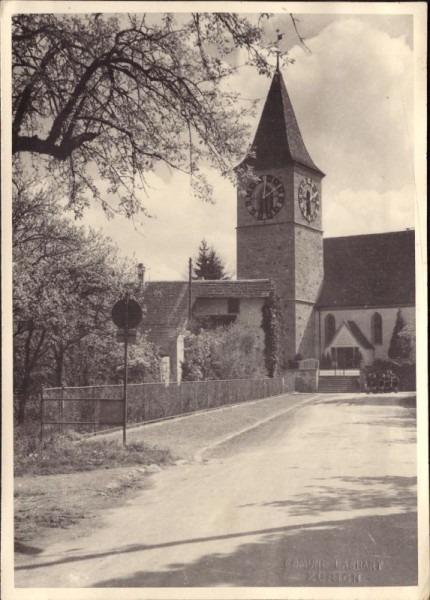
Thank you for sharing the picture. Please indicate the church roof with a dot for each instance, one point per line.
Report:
(369, 270)
(278, 140)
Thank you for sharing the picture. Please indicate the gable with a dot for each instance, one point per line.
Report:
(350, 335)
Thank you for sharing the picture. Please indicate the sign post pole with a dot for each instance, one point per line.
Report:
(124, 432)
(126, 314)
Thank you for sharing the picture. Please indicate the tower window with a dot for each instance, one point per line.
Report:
(376, 328)
(330, 328)
(234, 306)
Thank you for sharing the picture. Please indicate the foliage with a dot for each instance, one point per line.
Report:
(65, 283)
(208, 264)
(233, 352)
(400, 343)
(405, 369)
(407, 340)
(109, 97)
(68, 454)
(143, 362)
(270, 326)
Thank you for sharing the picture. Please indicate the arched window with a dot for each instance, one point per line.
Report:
(330, 328)
(376, 328)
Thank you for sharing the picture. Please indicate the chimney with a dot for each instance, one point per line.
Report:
(140, 275)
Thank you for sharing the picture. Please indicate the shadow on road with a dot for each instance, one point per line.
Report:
(22, 548)
(374, 400)
(374, 492)
(278, 559)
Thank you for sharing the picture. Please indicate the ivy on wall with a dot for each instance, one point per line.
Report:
(271, 327)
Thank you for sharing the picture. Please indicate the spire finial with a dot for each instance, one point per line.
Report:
(278, 52)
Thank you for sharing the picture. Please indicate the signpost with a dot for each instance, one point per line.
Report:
(126, 314)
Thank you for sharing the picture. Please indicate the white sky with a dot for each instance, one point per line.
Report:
(353, 98)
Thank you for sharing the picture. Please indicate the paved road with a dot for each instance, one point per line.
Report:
(323, 495)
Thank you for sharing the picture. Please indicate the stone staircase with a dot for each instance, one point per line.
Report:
(338, 384)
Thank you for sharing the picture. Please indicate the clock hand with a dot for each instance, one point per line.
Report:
(271, 192)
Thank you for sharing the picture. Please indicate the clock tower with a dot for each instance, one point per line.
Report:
(279, 229)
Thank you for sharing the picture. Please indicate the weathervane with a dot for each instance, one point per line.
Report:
(278, 51)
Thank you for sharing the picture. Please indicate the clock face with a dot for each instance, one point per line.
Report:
(309, 200)
(265, 197)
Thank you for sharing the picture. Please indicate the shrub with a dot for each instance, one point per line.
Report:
(225, 353)
(400, 343)
(404, 369)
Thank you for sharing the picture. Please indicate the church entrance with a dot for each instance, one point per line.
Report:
(347, 357)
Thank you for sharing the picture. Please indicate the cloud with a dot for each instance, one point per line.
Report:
(354, 212)
(353, 101)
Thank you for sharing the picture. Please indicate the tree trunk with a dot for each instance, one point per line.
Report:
(59, 364)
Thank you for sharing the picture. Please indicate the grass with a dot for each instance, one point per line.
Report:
(66, 454)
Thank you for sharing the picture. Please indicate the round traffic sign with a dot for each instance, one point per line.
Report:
(126, 308)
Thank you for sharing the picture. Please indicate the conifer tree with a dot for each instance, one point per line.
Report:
(400, 345)
(209, 265)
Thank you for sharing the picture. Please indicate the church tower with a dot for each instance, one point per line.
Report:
(279, 229)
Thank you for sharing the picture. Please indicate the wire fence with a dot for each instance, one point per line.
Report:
(98, 407)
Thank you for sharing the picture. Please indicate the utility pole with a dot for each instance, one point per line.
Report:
(190, 269)
(124, 431)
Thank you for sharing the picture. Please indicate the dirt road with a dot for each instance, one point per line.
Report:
(322, 495)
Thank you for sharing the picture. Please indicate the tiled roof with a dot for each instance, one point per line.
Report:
(166, 302)
(359, 335)
(240, 288)
(278, 140)
(369, 270)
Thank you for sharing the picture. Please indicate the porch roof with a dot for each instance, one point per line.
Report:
(355, 332)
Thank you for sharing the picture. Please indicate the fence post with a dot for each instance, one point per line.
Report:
(62, 408)
(94, 409)
(41, 416)
(180, 398)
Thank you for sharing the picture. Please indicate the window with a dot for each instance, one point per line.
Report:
(233, 306)
(330, 328)
(376, 328)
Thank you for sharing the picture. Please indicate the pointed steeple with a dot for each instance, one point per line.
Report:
(278, 140)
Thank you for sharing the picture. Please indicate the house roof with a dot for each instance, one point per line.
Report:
(240, 288)
(369, 270)
(278, 140)
(166, 302)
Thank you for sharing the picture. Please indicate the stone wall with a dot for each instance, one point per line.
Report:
(301, 380)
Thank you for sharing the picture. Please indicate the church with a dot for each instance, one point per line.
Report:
(338, 297)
